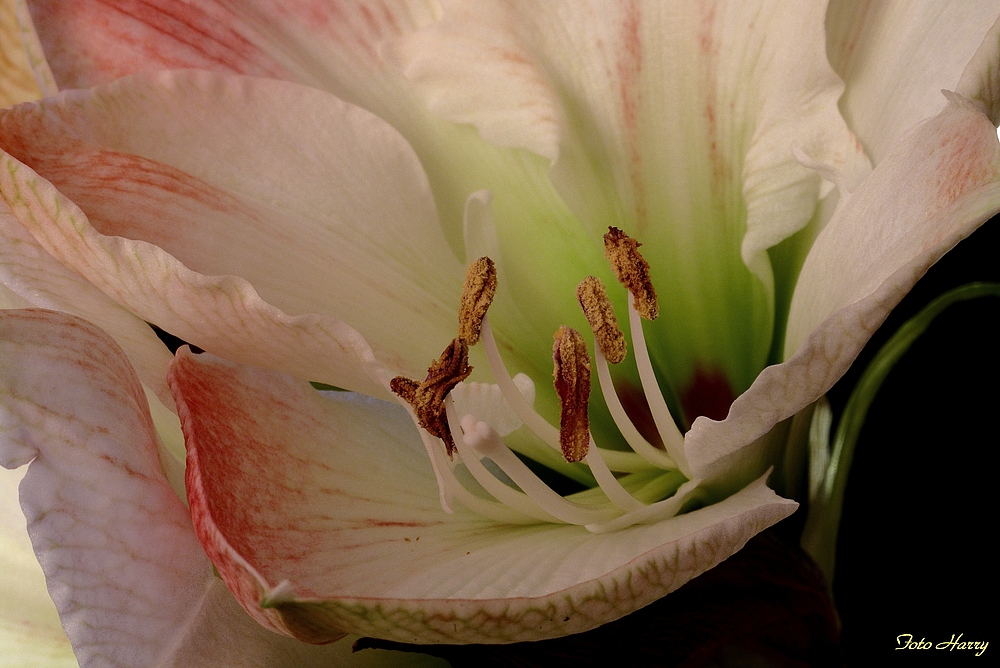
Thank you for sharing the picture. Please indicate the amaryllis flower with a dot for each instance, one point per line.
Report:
(407, 201)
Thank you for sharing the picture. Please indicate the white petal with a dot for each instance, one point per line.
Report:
(895, 57)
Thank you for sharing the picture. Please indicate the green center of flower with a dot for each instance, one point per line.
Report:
(652, 483)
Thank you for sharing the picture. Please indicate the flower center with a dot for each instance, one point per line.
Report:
(652, 483)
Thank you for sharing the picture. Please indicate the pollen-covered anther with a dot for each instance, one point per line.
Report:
(600, 314)
(571, 375)
(477, 294)
(632, 271)
(427, 398)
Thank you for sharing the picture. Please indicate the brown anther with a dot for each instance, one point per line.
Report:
(427, 398)
(600, 314)
(632, 271)
(572, 382)
(477, 294)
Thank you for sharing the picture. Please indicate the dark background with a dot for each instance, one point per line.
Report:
(915, 554)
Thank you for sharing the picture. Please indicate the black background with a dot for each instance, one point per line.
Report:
(915, 552)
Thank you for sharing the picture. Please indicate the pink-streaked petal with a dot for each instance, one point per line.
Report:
(329, 44)
(90, 42)
(896, 56)
(130, 581)
(921, 200)
(326, 519)
(672, 121)
(39, 280)
(938, 186)
(302, 212)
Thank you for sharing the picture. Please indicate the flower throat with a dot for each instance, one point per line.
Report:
(652, 484)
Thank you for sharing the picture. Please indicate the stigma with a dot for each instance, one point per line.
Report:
(643, 484)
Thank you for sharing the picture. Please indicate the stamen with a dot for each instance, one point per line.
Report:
(481, 438)
(608, 483)
(617, 460)
(642, 447)
(427, 398)
(600, 314)
(449, 487)
(535, 422)
(654, 512)
(571, 375)
(477, 294)
(501, 491)
(632, 271)
(672, 438)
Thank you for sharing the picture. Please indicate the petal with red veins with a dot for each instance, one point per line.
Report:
(114, 540)
(325, 518)
(896, 56)
(90, 42)
(936, 188)
(329, 44)
(130, 581)
(304, 227)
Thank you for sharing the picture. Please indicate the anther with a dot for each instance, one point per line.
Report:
(427, 398)
(572, 382)
(631, 270)
(600, 314)
(477, 294)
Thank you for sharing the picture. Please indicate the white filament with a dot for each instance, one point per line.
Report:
(654, 512)
(534, 500)
(546, 432)
(500, 490)
(607, 481)
(485, 442)
(535, 422)
(642, 447)
(673, 440)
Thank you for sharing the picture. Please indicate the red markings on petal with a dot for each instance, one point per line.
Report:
(90, 42)
(629, 69)
(968, 159)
